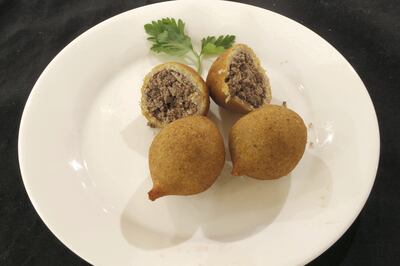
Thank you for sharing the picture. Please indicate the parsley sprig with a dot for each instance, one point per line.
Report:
(168, 36)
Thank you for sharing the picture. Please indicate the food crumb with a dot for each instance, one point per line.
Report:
(151, 125)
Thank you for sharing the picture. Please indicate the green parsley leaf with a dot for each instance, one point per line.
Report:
(168, 36)
(214, 46)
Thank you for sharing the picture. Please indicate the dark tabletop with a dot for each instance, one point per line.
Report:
(367, 33)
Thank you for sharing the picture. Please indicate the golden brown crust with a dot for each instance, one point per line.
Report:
(191, 74)
(186, 157)
(267, 143)
(219, 90)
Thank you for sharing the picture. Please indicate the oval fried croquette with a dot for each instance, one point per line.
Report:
(237, 80)
(267, 143)
(186, 157)
(172, 91)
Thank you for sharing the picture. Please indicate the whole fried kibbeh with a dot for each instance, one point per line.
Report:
(237, 80)
(267, 143)
(186, 157)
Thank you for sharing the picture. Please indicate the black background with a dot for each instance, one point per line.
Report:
(367, 33)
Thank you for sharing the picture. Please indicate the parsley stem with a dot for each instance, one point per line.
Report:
(198, 61)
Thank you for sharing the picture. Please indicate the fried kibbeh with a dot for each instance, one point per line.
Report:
(186, 157)
(267, 143)
(172, 91)
(237, 80)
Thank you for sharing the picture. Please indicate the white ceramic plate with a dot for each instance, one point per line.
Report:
(83, 148)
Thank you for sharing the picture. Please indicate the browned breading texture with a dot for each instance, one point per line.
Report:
(267, 143)
(186, 157)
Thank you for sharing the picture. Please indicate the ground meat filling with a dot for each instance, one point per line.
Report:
(168, 96)
(245, 80)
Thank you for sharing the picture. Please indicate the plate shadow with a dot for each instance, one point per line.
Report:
(138, 135)
(233, 208)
